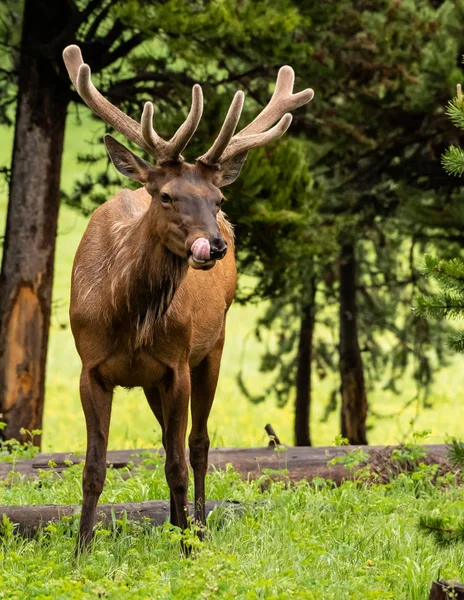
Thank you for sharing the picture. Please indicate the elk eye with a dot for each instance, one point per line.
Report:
(165, 197)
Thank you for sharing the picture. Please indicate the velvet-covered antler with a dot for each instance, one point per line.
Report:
(261, 130)
(141, 134)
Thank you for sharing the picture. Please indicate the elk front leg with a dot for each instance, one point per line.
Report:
(175, 394)
(154, 401)
(204, 382)
(96, 402)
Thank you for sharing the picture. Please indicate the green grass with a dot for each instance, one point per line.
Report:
(304, 541)
(234, 421)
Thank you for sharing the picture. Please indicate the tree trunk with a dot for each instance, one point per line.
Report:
(27, 268)
(353, 388)
(303, 375)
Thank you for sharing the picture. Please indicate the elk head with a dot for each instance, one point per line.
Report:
(186, 198)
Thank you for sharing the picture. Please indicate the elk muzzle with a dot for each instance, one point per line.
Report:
(203, 254)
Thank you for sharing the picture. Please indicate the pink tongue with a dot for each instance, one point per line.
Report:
(201, 249)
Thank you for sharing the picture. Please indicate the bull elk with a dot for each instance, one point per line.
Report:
(147, 307)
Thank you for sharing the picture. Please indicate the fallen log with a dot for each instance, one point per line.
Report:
(296, 463)
(29, 518)
(443, 590)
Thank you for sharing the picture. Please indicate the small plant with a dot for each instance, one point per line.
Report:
(456, 453)
(351, 460)
(7, 529)
(188, 537)
(413, 451)
(339, 440)
(12, 450)
(443, 527)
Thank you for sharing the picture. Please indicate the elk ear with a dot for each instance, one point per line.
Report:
(126, 162)
(229, 170)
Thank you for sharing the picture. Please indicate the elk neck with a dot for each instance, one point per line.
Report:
(145, 275)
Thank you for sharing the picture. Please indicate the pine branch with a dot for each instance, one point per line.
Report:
(439, 306)
(455, 111)
(456, 452)
(441, 529)
(435, 527)
(456, 342)
(449, 274)
(453, 161)
(437, 267)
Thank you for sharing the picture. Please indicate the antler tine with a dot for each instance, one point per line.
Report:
(227, 130)
(242, 143)
(72, 57)
(80, 75)
(257, 133)
(168, 151)
(283, 100)
(151, 138)
(185, 132)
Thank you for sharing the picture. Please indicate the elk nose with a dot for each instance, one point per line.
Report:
(218, 248)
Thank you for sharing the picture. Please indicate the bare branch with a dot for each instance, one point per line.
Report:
(93, 28)
(123, 49)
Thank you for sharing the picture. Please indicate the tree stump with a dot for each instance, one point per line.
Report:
(444, 590)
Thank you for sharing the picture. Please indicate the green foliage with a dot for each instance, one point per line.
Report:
(449, 274)
(449, 303)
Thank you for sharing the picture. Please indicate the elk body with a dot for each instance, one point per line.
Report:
(153, 279)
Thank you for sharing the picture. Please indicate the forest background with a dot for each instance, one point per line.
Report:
(332, 222)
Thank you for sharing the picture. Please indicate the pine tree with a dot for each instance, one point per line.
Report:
(448, 302)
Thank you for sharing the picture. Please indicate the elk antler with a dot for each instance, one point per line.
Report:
(260, 131)
(143, 135)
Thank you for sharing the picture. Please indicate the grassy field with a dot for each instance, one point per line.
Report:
(309, 542)
(234, 420)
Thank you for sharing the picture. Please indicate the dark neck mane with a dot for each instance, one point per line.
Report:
(145, 277)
